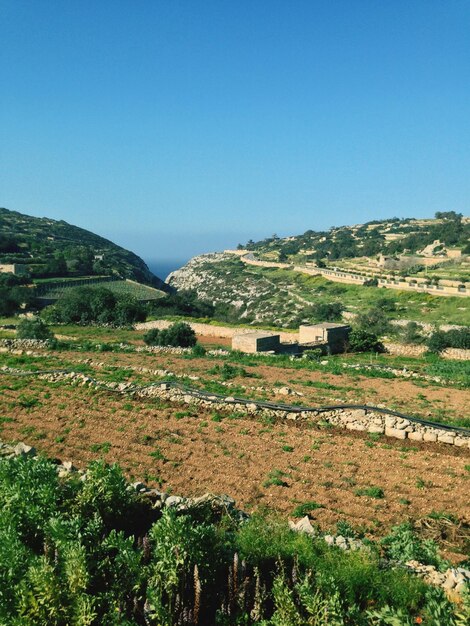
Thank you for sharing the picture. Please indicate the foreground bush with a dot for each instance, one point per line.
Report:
(91, 552)
(178, 335)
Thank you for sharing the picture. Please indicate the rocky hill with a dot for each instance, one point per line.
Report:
(49, 248)
(285, 282)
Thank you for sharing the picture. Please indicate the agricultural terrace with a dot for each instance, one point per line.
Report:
(369, 481)
(277, 296)
(119, 287)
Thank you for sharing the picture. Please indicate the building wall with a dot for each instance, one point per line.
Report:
(255, 343)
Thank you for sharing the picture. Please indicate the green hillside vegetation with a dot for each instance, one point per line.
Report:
(51, 248)
(56, 289)
(285, 298)
(368, 239)
(94, 552)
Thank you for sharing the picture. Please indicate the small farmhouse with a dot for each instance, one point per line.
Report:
(333, 335)
(256, 342)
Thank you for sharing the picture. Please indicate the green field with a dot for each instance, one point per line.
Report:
(119, 287)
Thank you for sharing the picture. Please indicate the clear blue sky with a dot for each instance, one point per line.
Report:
(176, 127)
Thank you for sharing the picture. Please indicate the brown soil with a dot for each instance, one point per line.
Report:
(403, 395)
(196, 453)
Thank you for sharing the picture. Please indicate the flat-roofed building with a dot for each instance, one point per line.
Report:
(256, 342)
(334, 335)
(13, 268)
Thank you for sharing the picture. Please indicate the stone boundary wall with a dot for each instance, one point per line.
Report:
(400, 349)
(442, 289)
(365, 419)
(208, 330)
(274, 264)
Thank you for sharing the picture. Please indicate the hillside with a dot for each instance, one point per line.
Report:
(388, 237)
(50, 248)
(284, 282)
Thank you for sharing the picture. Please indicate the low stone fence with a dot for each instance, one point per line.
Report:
(366, 418)
(400, 349)
(273, 264)
(208, 330)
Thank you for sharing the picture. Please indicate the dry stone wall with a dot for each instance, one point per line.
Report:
(400, 349)
(208, 330)
(365, 419)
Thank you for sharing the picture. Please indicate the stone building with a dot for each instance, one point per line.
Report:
(256, 342)
(334, 336)
(13, 268)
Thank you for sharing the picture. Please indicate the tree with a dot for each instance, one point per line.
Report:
(374, 321)
(326, 311)
(364, 341)
(179, 334)
(95, 305)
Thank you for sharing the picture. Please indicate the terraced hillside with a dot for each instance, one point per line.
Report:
(389, 237)
(282, 297)
(51, 248)
(51, 291)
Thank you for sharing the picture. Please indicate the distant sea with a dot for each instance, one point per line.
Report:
(165, 267)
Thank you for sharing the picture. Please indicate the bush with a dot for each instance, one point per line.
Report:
(326, 311)
(179, 335)
(364, 341)
(404, 545)
(456, 338)
(34, 328)
(374, 321)
(199, 351)
(411, 334)
(313, 355)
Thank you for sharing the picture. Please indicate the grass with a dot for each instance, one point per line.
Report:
(304, 508)
(371, 492)
(276, 478)
(101, 447)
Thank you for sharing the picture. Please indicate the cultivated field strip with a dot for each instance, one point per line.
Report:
(281, 410)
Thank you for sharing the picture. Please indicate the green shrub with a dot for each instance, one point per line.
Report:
(313, 355)
(34, 328)
(411, 334)
(371, 492)
(364, 341)
(325, 311)
(105, 493)
(178, 334)
(301, 510)
(198, 350)
(403, 544)
(455, 338)
(374, 321)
